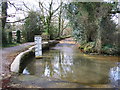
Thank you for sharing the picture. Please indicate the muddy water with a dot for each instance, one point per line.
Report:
(65, 62)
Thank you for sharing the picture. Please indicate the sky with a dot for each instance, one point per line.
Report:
(33, 5)
(15, 15)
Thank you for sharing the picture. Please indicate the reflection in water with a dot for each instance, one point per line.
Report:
(47, 70)
(115, 75)
(65, 62)
(25, 71)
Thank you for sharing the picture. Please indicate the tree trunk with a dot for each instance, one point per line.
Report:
(59, 29)
(48, 25)
(3, 20)
(62, 29)
(98, 44)
(4, 13)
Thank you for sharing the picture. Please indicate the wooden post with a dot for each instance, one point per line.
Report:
(38, 46)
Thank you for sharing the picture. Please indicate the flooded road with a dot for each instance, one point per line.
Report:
(65, 64)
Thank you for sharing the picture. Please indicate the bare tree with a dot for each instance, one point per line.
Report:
(49, 12)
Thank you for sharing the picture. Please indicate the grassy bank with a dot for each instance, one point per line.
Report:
(108, 49)
(11, 45)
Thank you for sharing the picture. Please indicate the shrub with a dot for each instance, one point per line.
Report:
(10, 37)
(4, 38)
(18, 36)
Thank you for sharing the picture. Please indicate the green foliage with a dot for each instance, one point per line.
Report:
(91, 22)
(45, 36)
(33, 26)
(4, 38)
(109, 49)
(18, 33)
(88, 47)
(11, 45)
(10, 37)
(108, 30)
(53, 32)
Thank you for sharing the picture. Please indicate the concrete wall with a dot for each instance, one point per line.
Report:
(23, 56)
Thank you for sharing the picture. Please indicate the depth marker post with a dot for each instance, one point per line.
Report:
(38, 46)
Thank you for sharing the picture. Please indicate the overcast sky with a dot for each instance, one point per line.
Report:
(32, 4)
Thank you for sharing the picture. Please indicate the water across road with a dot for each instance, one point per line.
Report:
(65, 66)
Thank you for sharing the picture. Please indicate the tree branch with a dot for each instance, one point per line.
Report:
(13, 5)
(26, 6)
(18, 20)
(114, 12)
(65, 27)
(40, 4)
(58, 7)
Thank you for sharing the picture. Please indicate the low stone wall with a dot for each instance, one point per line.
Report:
(15, 66)
(20, 59)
